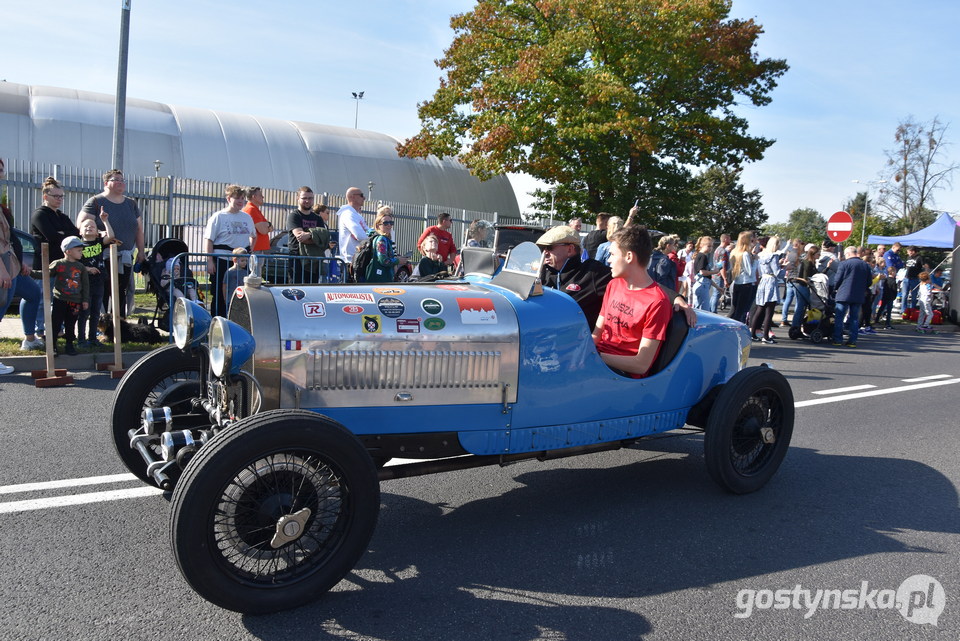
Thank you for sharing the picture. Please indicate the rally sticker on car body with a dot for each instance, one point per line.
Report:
(477, 311)
(390, 307)
(314, 310)
(292, 345)
(431, 306)
(408, 326)
(293, 294)
(454, 288)
(348, 298)
(238, 292)
(389, 291)
(434, 324)
(352, 309)
(372, 324)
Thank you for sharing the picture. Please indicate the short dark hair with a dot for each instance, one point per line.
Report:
(252, 191)
(443, 216)
(636, 239)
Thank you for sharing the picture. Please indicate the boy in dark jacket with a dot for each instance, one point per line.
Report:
(71, 290)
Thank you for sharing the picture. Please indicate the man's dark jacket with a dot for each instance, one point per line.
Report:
(584, 281)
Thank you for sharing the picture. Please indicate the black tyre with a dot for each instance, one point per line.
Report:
(274, 511)
(165, 376)
(749, 429)
(794, 333)
(816, 336)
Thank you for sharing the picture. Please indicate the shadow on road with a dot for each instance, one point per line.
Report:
(552, 556)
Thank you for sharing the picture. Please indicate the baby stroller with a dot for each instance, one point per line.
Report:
(818, 319)
(165, 270)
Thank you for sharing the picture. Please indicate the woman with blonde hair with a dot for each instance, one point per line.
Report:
(614, 223)
(702, 274)
(768, 294)
(743, 272)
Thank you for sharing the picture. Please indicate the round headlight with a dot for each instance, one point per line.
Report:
(230, 347)
(190, 323)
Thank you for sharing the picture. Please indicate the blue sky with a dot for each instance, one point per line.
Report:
(858, 68)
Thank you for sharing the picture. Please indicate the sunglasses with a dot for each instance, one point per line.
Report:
(386, 222)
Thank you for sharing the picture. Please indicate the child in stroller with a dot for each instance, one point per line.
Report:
(169, 274)
(818, 317)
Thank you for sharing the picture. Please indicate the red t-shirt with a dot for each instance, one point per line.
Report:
(630, 315)
(446, 245)
(262, 241)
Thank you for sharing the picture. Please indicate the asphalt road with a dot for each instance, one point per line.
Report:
(632, 544)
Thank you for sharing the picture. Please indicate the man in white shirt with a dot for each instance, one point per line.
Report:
(351, 227)
(227, 230)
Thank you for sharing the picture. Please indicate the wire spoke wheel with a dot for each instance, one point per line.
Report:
(274, 511)
(254, 504)
(749, 429)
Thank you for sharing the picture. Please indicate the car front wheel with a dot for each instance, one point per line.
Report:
(274, 511)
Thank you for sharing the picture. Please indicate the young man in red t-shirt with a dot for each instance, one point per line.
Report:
(636, 311)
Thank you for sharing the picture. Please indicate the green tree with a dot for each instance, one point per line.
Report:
(804, 223)
(722, 205)
(610, 100)
(876, 224)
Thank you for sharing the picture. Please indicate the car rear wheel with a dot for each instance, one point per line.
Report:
(274, 511)
(749, 429)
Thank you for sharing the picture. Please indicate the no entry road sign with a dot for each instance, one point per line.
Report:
(839, 226)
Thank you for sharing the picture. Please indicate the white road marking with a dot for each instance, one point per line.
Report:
(876, 392)
(53, 485)
(78, 499)
(148, 490)
(841, 390)
(925, 378)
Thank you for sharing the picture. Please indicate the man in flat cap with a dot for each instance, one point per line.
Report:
(562, 269)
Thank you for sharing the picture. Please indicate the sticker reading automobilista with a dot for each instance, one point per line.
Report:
(348, 298)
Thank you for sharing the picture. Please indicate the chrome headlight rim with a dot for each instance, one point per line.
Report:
(220, 347)
(191, 323)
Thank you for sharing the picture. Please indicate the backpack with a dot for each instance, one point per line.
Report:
(361, 259)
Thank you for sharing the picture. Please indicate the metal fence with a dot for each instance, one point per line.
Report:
(178, 207)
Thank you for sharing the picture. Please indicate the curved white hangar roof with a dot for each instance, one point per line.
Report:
(75, 128)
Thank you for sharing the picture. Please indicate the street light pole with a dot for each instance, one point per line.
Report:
(358, 96)
(120, 109)
(866, 205)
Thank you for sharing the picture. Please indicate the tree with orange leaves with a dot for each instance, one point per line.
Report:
(611, 100)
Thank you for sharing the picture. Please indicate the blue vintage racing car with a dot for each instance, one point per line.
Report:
(273, 427)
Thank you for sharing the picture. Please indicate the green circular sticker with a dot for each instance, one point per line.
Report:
(431, 306)
(434, 324)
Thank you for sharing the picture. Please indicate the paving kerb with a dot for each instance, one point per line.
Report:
(11, 328)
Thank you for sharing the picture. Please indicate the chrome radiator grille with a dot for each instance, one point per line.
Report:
(408, 370)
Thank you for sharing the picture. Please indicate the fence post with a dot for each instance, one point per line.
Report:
(169, 206)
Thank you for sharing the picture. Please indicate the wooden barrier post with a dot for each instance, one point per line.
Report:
(50, 377)
(115, 368)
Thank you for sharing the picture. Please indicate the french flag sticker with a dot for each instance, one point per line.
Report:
(292, 345)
